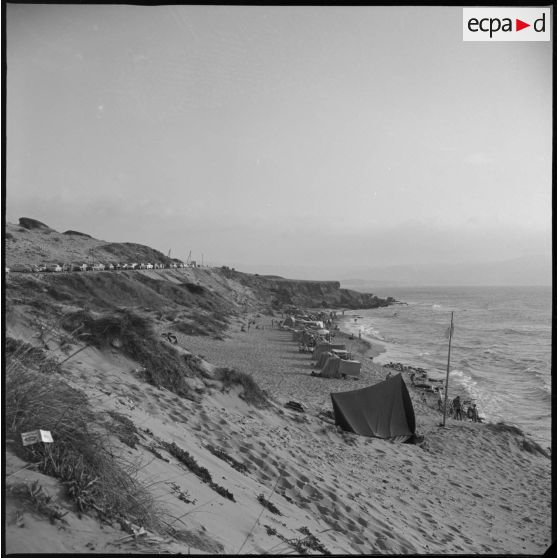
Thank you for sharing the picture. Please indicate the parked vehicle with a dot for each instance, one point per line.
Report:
(19, 268)
(51, 268)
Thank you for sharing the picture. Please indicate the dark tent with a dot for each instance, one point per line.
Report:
(383, 410)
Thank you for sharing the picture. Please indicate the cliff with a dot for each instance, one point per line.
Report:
(229, 291)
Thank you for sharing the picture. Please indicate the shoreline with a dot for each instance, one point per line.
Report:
(374, 348)
(445, 486)
(435, 376)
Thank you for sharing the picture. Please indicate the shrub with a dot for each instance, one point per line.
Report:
(253, 394)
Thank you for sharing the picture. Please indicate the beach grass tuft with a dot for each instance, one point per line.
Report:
(268, 505)
(82, 456)
(253, 394)
(163, 365)
(201, 472)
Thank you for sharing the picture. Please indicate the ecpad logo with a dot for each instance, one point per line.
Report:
(506, 24)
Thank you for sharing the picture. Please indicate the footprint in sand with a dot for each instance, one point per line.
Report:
(323, 510)
(331, 495)
(284, 483)
(310, 492)
(362, 521)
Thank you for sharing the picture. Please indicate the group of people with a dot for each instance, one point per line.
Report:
(457, 408)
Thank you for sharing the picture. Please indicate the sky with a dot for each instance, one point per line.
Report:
(280, 138)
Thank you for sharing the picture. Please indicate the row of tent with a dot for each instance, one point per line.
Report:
(331, 364)
(382, 410)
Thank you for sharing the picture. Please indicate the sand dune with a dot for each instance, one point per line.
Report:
(465, 489)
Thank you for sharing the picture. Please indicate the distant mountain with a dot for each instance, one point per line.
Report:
(529, 270)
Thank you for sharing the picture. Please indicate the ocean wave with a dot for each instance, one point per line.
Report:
(526, 331)
(501, 349)
(372, 332)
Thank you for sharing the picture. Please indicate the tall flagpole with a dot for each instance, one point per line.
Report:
(447, 372)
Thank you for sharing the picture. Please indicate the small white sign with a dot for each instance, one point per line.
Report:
(36, 436)
(506, 24)
(46, 436)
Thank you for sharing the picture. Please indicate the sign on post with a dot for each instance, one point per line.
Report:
(36, 436)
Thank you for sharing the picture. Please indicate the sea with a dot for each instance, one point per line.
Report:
(501, 346)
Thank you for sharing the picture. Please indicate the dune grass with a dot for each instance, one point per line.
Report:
(163, 366)
(82, 456)
(252, 394)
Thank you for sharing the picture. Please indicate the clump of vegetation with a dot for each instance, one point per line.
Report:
(194, 289)
(253, 394)
(200, 324)
(301, 546)
(153, 449)
(125, 429)
(162, 364)
(24, 355)
(81, 455)
(311, 541)
(180, 494)
(201, 472)
(221, 454)
(268, 505)
(38, 497)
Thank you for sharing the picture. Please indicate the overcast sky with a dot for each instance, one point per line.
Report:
(280, 135)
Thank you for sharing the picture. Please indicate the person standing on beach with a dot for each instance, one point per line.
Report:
(457, 408)
(473, 413)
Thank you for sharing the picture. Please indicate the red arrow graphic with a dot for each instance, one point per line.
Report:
(519, 25)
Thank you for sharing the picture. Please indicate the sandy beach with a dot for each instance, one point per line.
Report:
(466, 488)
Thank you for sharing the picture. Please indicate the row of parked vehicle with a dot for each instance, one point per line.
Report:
(58, 268)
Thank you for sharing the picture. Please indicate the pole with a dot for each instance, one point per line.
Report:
(447, 372)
